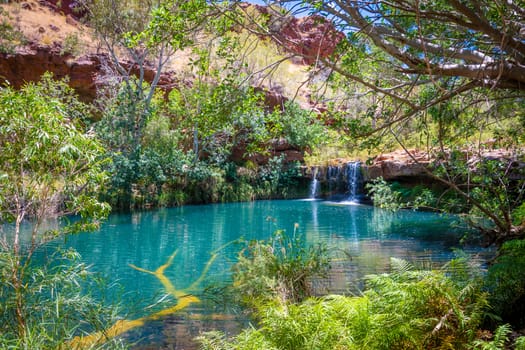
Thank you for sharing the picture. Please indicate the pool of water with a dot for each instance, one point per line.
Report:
(362, 239)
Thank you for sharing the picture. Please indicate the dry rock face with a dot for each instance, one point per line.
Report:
(310, 37)
(397, 165)
(67, 7)
(31, 62)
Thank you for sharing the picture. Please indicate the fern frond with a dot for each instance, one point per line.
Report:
(502, 335)
(520, 343)
(400, 266)
(499, 340)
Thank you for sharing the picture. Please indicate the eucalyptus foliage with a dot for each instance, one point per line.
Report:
(50, 167)
(383, 195)
(147, 31)
(59, 302)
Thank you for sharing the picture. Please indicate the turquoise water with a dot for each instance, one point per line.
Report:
(364, 236)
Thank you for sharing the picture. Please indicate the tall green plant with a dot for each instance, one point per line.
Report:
(145, 151)
(147, 31)
(300, 127)
(59, 302)
(383, 195)
(49, 166)
(282, 267)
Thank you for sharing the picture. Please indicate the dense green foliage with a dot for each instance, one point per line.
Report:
(505, 280)
(192, 145)
(383, 195)
(175, 162)
(57, 305)
(406, 309)
(506, 283)
(183, 152)
(50, 166)
(282, 268)
(394, 195)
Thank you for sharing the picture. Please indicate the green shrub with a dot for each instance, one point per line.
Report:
(406, 309)
(393, 196)
(383, 195)
(58, 304)
(276, 179)
(300, 127)
(71, 45)
(506, 283)
(281, 267)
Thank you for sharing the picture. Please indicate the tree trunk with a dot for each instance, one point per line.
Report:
(16, 279)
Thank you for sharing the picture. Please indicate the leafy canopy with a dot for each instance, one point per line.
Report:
(49, 165)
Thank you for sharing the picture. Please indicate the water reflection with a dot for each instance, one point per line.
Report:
(362, 238)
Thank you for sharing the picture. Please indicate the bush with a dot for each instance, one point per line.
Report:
(300, 127)
(506, 283)
(383, 195)
(281, 267)
(56, 305)
(71, 45)
(406, 309)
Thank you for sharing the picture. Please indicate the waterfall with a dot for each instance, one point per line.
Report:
(335, 178)
(340, 182)
(314, 185)
(354, 179)
(330, 172)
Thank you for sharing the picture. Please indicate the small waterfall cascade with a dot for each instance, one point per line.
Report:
(334, 177)
(354, 180)
(339, 182)
(314, 185)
